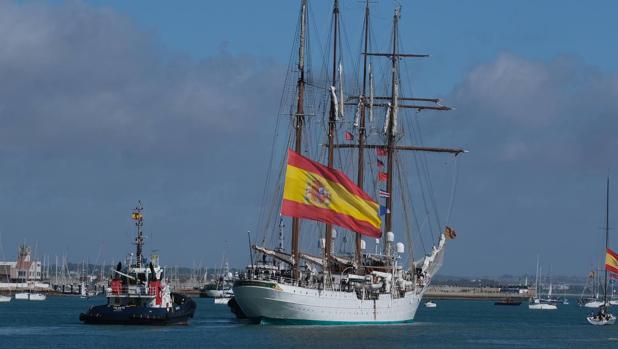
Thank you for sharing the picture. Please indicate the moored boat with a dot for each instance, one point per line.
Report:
(537, 302)
(430, 304)
(139, 294)
(30, 296)
(508, 301)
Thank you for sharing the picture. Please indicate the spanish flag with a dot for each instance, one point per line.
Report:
(136, 216)
(449, 232)
(611, 261)
(314, 191)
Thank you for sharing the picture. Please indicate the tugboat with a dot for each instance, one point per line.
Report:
(138, 294)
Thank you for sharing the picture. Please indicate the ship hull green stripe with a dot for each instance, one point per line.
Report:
(268, 321)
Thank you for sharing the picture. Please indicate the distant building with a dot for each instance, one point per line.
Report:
(24, 269)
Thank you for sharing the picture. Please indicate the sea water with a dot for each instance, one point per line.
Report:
(54, 323)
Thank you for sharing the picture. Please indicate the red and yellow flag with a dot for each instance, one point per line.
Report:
(314, 191)
(611, 261)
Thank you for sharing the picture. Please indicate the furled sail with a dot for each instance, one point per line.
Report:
(341, 100)
(387, 118)
(370, 94)
(333, 96)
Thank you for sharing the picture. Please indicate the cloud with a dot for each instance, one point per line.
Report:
(96, 114)
(541, 136)
(553, 113)
(74, 73)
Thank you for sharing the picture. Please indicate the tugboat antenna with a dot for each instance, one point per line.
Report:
(139, 239)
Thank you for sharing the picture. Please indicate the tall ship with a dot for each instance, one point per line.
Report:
(343, 280)
(138, 294)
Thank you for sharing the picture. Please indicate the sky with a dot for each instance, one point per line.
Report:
(103, 103)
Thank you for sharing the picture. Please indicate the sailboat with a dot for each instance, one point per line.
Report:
(591, 301)
(221, 288)
(603, 316)
(537, 303)
(297, 287)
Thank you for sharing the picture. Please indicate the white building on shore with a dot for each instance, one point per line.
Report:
(23, 270)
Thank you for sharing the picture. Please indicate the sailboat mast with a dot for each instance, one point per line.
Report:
(606, 238)
(298, 125)
(332, 120)
(362, 131)
(391, 134)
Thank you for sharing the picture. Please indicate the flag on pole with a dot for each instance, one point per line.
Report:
(382, 176)
(316, 192)
(381, 151)
(348, 136)
(449, 232)
(384, 210)
(384, 194)
(380, 163)
(611, 261)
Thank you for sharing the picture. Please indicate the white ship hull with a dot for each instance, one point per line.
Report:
(269, 301)
(542, 306)
(593, 304)
(5, 299)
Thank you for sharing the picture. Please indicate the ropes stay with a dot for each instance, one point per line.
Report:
(421, 181)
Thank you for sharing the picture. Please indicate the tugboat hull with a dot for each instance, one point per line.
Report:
(183, 309)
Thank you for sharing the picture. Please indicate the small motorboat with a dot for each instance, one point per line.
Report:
(5, 299)
(430, 304)
(222, 300)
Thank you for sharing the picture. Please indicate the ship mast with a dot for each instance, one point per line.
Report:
(139, 239)
(606, 238)
(390, 128)
(332, 120)
(299, 121)
(362, 132)
(390, 134)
